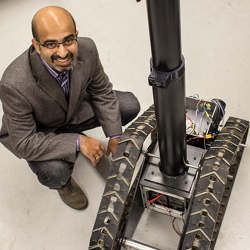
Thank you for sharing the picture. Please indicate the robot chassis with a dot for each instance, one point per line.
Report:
(188, 172)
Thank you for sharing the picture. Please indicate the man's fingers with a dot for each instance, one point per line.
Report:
(102, 148)
(100, 153)
(112, 150)
(92, 148)
(98, 157)
(108, 152)
(93, 160)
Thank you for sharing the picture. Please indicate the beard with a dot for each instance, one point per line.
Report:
(64, 63)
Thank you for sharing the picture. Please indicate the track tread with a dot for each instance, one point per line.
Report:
(218, 171)
(113, 206)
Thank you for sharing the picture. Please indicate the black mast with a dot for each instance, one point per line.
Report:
(168, 81)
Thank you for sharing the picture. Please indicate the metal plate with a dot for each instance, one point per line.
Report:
(154, 178)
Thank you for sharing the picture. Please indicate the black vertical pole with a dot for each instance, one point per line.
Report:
(169, 88)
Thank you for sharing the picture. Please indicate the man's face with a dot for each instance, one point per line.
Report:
(61, 57)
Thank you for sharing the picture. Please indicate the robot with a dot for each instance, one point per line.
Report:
(190, 166)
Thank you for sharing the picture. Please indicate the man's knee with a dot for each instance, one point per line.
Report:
(129, 106)
(53, 174)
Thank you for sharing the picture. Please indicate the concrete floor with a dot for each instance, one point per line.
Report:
(215, 42)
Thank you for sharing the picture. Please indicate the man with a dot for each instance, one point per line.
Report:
(50, 94)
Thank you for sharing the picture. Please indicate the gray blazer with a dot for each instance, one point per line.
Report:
(35, 106)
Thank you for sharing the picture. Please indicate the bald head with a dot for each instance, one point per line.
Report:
(55, 25)
(50, 19)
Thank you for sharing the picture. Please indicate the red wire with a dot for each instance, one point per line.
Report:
(193, 138)
(169, 213)
(172, 220)
(155, 198)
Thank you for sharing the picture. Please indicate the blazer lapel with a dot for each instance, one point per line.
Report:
(77, 77)
(45, 81)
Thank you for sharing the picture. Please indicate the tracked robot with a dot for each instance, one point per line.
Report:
(190, 166)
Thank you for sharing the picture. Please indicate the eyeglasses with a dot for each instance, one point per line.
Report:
(68, 41)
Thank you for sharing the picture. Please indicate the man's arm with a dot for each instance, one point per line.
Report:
(104, 100)
(26, 141)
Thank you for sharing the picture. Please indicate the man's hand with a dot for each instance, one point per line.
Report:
(92, 149)
(112, 146)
